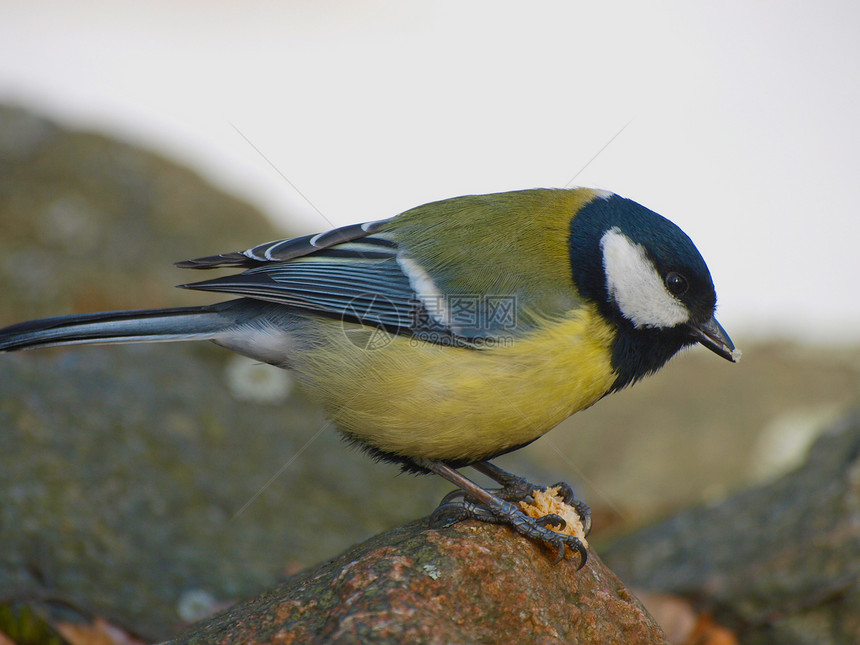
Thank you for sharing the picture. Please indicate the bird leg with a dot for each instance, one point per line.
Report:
(482, 505)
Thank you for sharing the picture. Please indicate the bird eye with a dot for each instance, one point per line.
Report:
(676, 283)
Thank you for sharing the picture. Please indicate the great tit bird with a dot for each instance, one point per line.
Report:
(454, 332)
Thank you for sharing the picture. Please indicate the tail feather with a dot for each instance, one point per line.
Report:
(144, 325)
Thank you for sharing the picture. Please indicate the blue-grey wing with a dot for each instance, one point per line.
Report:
(358, 280)
(359, 274)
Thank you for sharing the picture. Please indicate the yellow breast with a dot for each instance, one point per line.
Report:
(408, 397)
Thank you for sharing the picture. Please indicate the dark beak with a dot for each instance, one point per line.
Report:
(712, 335)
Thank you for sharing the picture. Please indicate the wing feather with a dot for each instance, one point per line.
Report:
(355, 273)
(296, 247)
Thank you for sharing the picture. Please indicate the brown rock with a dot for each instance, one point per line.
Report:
(472, 583)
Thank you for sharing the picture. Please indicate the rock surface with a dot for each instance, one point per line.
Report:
(779, 563)
(473, 583)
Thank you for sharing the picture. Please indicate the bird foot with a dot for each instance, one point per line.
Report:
(507, 506)
(456, 507)
(519, 489)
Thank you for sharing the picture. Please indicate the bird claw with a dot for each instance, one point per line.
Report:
(568, 497)
(453, 495)
(516, 489)
(447, 514)
(537, 529)
(453, 510)
(552, 520)
(450, 512)
(565, 492)
(574, 543)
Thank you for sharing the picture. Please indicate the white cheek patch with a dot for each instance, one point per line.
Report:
(634, 284)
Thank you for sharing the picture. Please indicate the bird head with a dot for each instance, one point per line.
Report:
(646, 276)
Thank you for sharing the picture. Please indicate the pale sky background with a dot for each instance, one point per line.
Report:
(741, 116)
